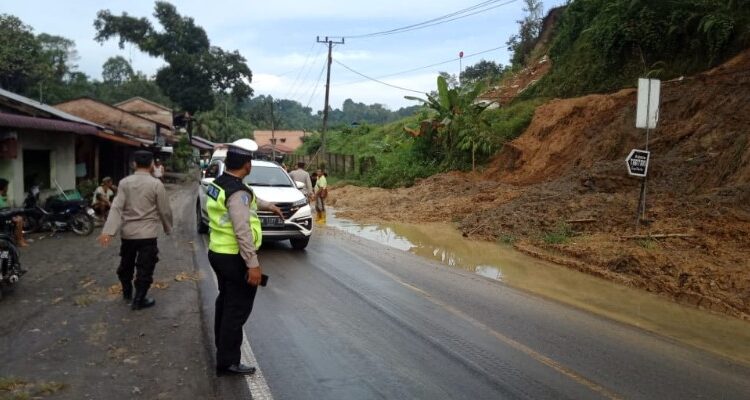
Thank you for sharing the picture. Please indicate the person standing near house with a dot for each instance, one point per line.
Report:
(300, 175)
(235, 236)
(321, 192)
(140, 206)
(158, 171)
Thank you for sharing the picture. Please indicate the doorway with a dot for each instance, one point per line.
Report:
(37, 168)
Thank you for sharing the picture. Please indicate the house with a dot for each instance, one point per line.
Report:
(284, 141)
(152, 111)
(149, 132)
(38, 145)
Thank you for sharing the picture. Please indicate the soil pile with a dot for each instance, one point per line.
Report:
(561, 191)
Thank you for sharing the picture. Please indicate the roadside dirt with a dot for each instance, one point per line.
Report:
(569, 166)
(66, 333)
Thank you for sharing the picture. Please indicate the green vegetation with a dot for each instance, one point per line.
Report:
(560, 235)
(605, 45)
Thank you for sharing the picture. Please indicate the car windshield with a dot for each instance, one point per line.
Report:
(268, 176)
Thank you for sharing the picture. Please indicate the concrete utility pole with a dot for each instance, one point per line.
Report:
(273, 133)
(328, 90)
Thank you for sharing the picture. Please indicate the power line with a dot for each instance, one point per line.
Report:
(317, 83)
(299, 72)
(463, 13)
(426, 66)
(375, 80)
(298, 90)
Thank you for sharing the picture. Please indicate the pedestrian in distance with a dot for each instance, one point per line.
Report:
(140, 206)
(158, 171)
(300, 175)
(235, 236)
(321, 193)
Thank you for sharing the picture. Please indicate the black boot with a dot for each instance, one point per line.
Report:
(141, 301)
(127, 290)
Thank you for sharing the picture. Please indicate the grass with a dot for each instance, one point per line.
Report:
(507, 239)
(561, 235)
(12, 388)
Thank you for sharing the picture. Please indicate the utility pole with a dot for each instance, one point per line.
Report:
(273, 133)
(328, 90)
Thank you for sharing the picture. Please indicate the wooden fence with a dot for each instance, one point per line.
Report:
(341, 165)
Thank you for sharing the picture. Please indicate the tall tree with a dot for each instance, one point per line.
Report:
(529, 28)
(116, 71)
(195, 68)
(484, 70)
(19, 54)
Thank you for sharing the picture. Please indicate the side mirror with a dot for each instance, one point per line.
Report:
(299, 185)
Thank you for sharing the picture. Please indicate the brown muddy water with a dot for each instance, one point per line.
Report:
(718, 334)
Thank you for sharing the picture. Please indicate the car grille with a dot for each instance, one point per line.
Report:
(286, 209)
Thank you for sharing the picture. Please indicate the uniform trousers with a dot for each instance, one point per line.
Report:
(233, 306)
(139, 257)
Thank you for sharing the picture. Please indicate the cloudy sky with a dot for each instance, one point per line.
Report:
(278, 39)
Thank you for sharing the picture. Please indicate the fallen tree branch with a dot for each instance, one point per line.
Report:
(581, 221)
(660, 236)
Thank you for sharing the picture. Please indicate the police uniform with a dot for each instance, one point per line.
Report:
(234, 239)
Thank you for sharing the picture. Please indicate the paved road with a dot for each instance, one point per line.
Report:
(352, 319)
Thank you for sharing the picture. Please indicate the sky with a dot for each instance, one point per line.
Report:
(278, 39)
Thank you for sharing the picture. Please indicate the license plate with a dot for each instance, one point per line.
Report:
(90, 212)
(4, 255)
(271, 222)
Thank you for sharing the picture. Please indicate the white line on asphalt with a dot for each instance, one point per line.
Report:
(256, 383)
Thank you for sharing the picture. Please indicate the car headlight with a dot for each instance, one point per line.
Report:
(299, 203)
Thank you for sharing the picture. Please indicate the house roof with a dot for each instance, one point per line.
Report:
(45, 124)
(292, 140)
(139, 98)
(35, 108)
(280, 148)
(114, 108)
(202, 144)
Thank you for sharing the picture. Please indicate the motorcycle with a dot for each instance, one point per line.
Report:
(10, 264)
(59, 214)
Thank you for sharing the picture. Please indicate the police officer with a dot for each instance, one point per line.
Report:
(235, 237)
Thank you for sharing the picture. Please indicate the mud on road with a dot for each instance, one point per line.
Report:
(66, 332)
(561, 191)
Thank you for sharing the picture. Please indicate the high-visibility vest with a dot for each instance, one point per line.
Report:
(222, 238)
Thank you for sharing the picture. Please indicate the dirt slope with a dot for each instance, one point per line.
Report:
(569, 165)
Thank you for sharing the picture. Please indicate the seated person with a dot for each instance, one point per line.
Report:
(17, 220)
(103, 195)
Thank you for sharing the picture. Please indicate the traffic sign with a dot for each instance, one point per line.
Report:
(647, 112)
(637, 162)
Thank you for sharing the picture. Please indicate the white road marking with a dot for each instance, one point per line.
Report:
(256, 383)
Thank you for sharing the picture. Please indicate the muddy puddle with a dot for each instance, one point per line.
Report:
(715, 333)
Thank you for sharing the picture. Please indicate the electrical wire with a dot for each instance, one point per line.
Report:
(315, 88)
(463, 13)
(299, 88)
(426, 66)
(376, 80)
(299, 72)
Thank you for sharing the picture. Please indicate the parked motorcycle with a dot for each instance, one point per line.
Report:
(10, 263)
(59, 214)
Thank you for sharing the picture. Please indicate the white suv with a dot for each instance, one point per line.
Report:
(270, 183)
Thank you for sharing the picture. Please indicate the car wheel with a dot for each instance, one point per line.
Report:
(202, 226)
(299, 244)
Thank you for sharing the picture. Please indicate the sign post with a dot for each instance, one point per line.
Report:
(647, 115)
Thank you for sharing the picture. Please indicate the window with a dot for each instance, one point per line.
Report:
(36, 169)
(283, 140)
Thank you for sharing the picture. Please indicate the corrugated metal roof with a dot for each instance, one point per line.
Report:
(46, 108)
(46, 124)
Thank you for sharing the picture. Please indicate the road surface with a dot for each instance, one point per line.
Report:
(351, 319)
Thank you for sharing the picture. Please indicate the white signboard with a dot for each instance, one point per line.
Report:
(637, 162)
(648, 103)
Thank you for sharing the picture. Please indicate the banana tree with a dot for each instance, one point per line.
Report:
(455, 117)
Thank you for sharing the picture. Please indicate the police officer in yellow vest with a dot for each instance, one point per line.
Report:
(235, 237)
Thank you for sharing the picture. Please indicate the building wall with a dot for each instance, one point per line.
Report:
(62, 161)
